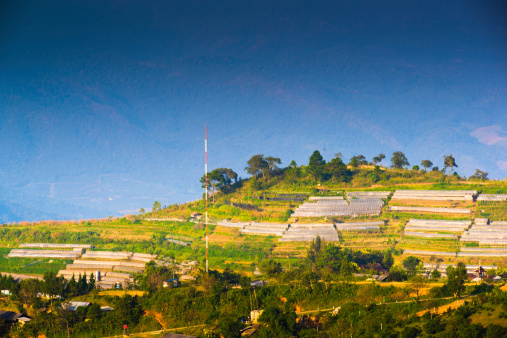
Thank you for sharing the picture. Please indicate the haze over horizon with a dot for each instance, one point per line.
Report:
(104, 102)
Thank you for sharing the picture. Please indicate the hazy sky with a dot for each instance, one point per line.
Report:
(103, 102)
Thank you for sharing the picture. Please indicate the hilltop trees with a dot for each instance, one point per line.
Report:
(358, 160)
(449, 162)
(260, 165)
(215, 180)
(257, 165)
(378, 159)
(219, 179)
(337, 170)
(426, 164)
(156, 206)
(272, 162)
(292, 172)
(316, 165)
(479, 174)
(399, 160)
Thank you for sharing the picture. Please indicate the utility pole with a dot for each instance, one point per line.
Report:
(206, 191)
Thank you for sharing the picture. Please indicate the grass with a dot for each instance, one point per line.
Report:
(495, 211)
(121, 293)
(488, 316)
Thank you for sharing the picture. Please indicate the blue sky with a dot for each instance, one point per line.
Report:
(103, 102)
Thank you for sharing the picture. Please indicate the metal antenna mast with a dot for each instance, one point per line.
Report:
(206, 187)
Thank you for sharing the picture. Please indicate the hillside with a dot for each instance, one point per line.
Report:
(271, 199)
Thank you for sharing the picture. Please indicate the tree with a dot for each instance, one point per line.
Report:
(93, 311)
(315, 249)
(278, 323)
(270, 268)
(415, 168)
(379, 158)
(396, 275)
(272, 163)
(354, 162)
(228, 326)
(374, 178)
(156, 206)
(257, 165)
(127, 309)
(426, 164)
(456, 278)
(219, 179)
(91, 284)
(449, 162)
(435, 169)
(229, 175)
(358, 160)
(435, 274)
(434, 325)
(292, 172)
(399, 160)
(142, 211)
(337, 170)
(52, 285)
(410, 264)
(410, 332)
(28, 289)
(388, 260)
(215, 180)
(72, 289)
(417, 284)
(481, 175)
(316, 165)
(346, 268)
(82, 285)
(309, 278)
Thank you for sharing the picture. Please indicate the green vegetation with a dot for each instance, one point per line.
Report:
(306, 280)
(495, 211)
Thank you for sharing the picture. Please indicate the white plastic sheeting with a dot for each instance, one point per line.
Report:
(299, 232)
(56, 246)
(339, 208)
(429, 253)
(264, 229)
(226, 223)
(435, 195)
(59, 254)
(368, 194)
(431, 210)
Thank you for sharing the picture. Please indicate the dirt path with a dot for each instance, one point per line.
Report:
(151, 333)
(158, 317)
(441, 309)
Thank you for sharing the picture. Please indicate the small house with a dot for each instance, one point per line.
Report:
(187, 278)
(72, 306)
(11, 318)
(171, 283)
(258, 283)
